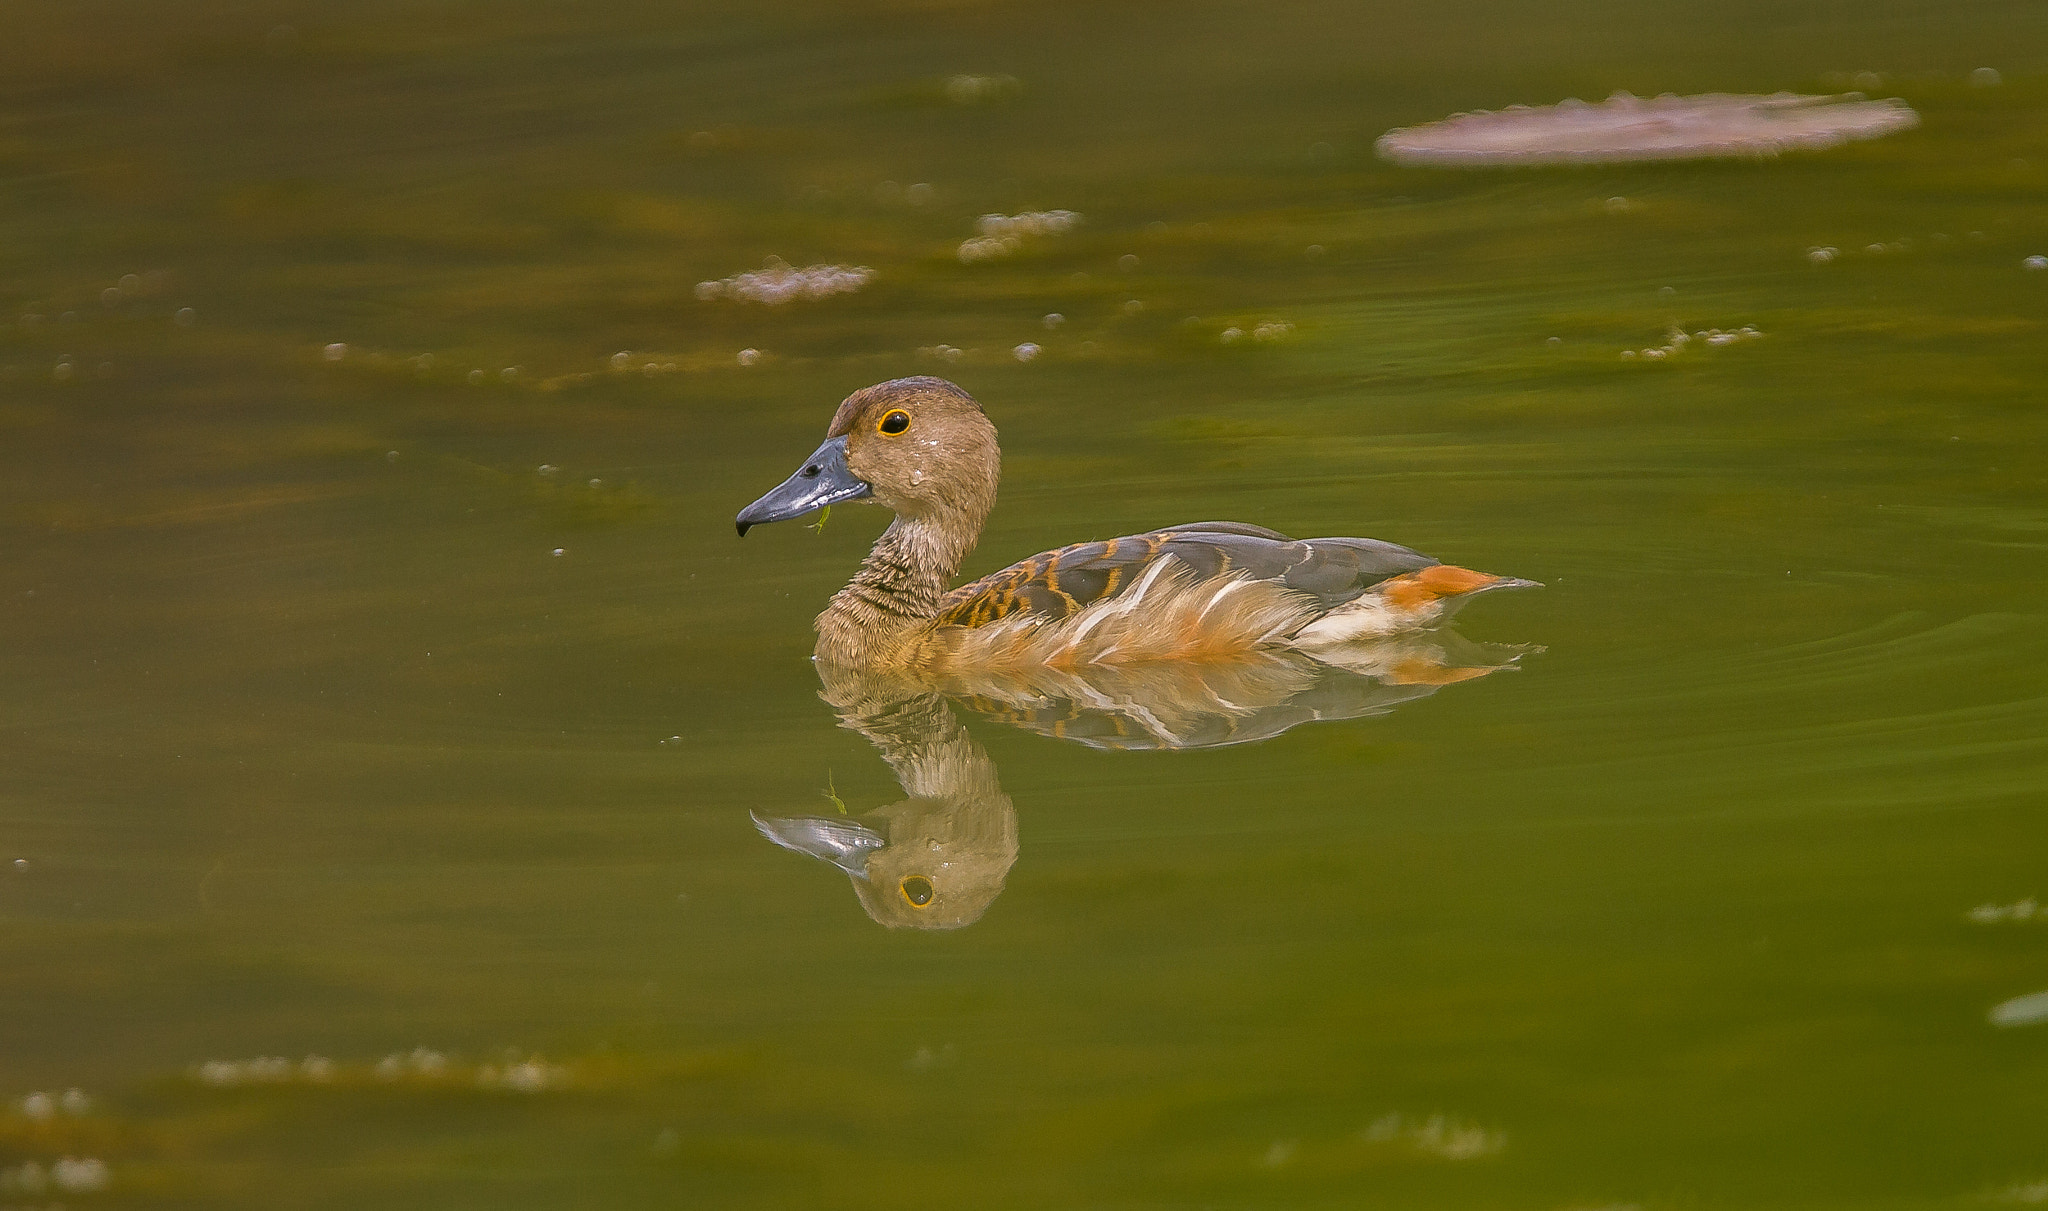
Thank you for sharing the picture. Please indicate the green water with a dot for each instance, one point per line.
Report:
(333, 725)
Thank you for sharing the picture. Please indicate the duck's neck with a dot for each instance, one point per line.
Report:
(895, 595)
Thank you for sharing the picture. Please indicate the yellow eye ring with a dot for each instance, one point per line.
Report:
(893, 422)
(917, 891)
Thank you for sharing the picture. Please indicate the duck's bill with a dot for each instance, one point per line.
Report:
(843, 843)
(824, 479)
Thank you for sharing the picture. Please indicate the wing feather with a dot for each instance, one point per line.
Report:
(1058, 584)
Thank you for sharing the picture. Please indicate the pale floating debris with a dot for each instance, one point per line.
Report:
(927, 1057)
(27, 1178)
(1438, 1135)
(1002, 235)
(2021, 1011)
(335, 352)
(1626, 127)
(2023, 910)
(74, 1175)
(749, 357)
(1986, 77)
(776, 283)
(2036, 262)
(979, 90)
(79, 1175)
(1821, 254)
(263, 1070)
(1029, 222)
(528, 1076)
(1025, 352)
(1676, 340)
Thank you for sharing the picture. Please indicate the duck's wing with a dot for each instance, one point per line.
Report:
(1058, 584)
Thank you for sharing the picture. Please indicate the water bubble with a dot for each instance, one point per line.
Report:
(1986, 77)
(1128, 262)
(749, 357)
(1133, 307)
(1554, 341)
(597, 483)
(20, 865)
(1667, 291)
(621, 358)
(918, 194)
(1313, 251)
(1025, 352)
(75, 1102)
(1628, 354)
(110, 296)
(69, 317)
(335, 352)
(1231, 335)
(475, 377)
(316, 1068)
(130, 284)
(38, 1106)
(1053, 319)
(558, 552)
(2036, 262)
(1868, 80)
(31, 320)
(1619, 205)
(186, 317)
(63, 371)
(508, 374)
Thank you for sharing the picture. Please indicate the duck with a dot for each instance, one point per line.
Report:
(1202, 591)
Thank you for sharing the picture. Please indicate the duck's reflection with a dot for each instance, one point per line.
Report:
(938, 859)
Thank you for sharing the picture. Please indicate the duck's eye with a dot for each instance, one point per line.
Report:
(894, 423)
(917, 889)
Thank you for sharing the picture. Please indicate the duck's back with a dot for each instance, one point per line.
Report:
(1202, 590)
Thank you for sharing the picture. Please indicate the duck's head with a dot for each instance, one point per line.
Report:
(921, 446)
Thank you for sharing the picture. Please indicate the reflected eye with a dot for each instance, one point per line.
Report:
(894, 423)
(917, 889)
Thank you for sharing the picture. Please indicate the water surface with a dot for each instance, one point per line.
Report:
(384, 683)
